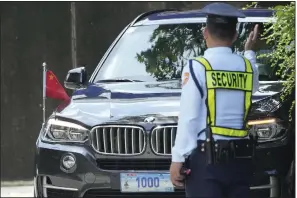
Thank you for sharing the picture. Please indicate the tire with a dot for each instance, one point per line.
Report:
(39, 193)
(291, 180)
(288, 187)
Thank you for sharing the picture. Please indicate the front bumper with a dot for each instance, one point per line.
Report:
(92, 190)
(88, 180)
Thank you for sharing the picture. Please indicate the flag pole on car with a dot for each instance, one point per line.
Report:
(52, 88)
(43, 91)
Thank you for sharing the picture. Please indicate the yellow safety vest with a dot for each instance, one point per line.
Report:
(235, 80)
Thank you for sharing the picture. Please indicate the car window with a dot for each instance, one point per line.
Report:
(159, 52)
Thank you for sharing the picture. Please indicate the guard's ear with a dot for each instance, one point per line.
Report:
(235, 37)
(205, 33)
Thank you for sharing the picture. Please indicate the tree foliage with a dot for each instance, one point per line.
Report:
(173, 45)
(282, 34)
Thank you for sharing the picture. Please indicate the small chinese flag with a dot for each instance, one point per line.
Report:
(53, 87)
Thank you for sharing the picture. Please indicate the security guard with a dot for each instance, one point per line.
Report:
(215, 100)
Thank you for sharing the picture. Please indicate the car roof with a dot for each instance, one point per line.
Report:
(196, 16)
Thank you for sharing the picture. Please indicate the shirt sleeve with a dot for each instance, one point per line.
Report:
(251, 56)
(190, 102)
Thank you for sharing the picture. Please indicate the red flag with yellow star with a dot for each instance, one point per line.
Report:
(53, 87)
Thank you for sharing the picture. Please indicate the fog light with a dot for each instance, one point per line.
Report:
(68, 161)
(265, 132)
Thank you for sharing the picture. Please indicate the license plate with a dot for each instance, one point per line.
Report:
(146, 182)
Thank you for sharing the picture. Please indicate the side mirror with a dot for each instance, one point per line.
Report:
(76, 78)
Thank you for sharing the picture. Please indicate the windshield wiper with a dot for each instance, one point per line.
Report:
(117, 80)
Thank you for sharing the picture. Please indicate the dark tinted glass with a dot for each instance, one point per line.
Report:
(159, 52)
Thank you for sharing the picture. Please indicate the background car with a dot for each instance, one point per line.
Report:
(114, 137)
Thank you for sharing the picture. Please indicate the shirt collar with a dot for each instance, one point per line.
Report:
(218, 50)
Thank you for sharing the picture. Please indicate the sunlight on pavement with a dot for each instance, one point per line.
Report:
(17, 191)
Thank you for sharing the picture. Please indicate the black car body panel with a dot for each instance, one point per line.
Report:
(146, 106)
(140, 100)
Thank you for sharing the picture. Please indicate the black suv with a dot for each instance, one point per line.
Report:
(114, 138)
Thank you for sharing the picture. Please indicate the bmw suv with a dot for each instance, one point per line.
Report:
(114, 137)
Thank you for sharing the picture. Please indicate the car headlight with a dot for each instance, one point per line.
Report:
(62, 131)
(267, 129)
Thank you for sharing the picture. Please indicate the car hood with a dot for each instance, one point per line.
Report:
(133, 103)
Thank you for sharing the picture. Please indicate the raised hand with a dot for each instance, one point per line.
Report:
(252, 39)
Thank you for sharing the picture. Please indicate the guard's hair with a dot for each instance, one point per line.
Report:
(222, 31)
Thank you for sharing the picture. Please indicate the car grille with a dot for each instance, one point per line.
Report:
(104, 193)
(162, 139)
(118, 140)
(134, 164)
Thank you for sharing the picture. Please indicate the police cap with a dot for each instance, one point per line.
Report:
(222, 13)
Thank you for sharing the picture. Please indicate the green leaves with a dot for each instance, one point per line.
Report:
(171, 47)
(282, 35)
(253, 4)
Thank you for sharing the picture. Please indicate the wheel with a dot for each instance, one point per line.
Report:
(38, 188)
(291, 180)
(288, 185)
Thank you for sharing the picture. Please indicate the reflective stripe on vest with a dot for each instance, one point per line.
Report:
(219, 79)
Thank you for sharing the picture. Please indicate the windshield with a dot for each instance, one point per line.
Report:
(159, 52)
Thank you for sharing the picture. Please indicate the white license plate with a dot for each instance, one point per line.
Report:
(146, 182)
